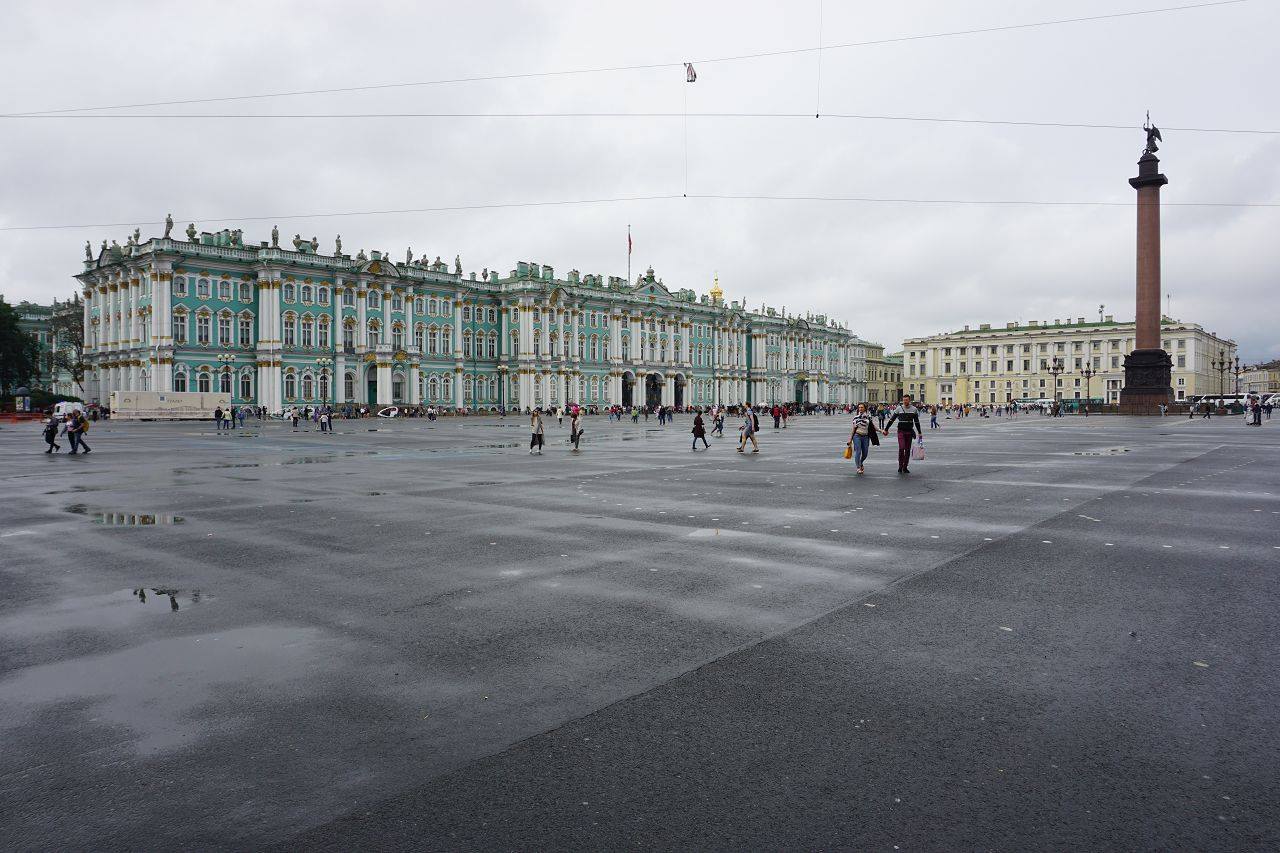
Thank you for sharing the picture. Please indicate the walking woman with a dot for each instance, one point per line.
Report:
(699, 432)
(535, 428)
(933, 417)
(748, 430)
(862, 437)
(575, 429)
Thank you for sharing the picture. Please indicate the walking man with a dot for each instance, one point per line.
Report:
(908, 419)
(535, 430)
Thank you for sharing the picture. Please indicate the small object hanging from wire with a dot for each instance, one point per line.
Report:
(690, 76)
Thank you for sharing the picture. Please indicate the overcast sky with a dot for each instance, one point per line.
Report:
(890, 270)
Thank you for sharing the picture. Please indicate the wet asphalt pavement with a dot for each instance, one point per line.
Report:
(1053, 634)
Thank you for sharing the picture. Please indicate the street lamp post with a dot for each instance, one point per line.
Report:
(1088, 373)
(1221, 364)
(1056, 368)
(1236, 370)
(324, 364)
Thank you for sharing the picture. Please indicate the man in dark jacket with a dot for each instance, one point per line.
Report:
(908, 418)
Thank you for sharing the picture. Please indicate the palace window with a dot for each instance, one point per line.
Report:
(446, 307)
(290, 386)
(348, 386)
(323, 337)
(290, 330)
(373, 300)
(308, 386)
(433, 341)
(202, 382)
(397, 337)
(419, 305)
(179, 286)
(371, 336)
(180, 381)
(433, 388)
(246, 292)
(466, 343)
(419, 336)
(308, 332)
(491, 348)
(433, 307)
(348, 298)
(324, 385)
(595, 348)
(466, 313)
(322, 295)
(348, 339)
(306, 293)
(202, 329)
(246, 386)
(224, 381)
(202, 288)
(446, 339)
(179, 327)
(224, 291)
(224, 331)
(493, 318)
(287, 292)
(397, 302)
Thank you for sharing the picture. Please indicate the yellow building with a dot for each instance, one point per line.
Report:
(1015, 362)
(884, 375)
(1261, 379)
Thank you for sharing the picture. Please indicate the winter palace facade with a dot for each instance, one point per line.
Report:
(277, 327)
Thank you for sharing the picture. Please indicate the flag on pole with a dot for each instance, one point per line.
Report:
(690, 76)
(628, 242)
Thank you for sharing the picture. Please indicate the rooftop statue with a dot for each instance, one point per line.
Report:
(137, 236)
(237, 238)
(408, 256)
(457, 264)
(191, 232)
(315, 244)
(275, 236)
(297, 242)
(104, 244)
(361, 256)
(88, 251)
(168, 224)
(337, 245)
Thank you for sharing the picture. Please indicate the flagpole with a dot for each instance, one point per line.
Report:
(628, 254)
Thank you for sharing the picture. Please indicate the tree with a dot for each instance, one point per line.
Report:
(19, 351)
(67, 326)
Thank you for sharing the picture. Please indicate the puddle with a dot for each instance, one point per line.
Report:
(1106, 451)
(124, 518)
(171, 693)
(111, 610)
(497, 446)
(485, 483)
(374, 494)
(307, 460)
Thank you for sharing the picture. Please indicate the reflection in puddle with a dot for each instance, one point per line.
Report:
(120, 518)
(100, 612)
(163, 690)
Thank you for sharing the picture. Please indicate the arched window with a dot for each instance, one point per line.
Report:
(446, 307)
(374, 299)
(582, 346)
(348, 298)
(246, 387)
(371, 335)
(179, 327)
(224, 291)
(397, 302)
(179, 286)
(202, 288)
(202, 382)
(493, 388)
(324, 385)
(419, 336)
(246, 331)
(595, 348)
(492, 349)
(290, 330)
(287, 292)
(433, 340)
(224, 381)
(515, 343)
(322, 295)
(308, 386)
(397, 336)
(467, 389)
(419, 305)
(397, 386)
(180, 380)
(604, 349)
(493, 317)
(308, 331)
(466, 344)
(290, 386)
(433, 307)
(202, 329)
(306, 293)
(348, 386)
(446, 339)
(323, 340)
(626, 348)
(433, 388)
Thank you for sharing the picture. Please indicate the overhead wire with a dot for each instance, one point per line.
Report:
(620, 68)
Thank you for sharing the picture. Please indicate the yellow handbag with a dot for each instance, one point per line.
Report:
(848, 452)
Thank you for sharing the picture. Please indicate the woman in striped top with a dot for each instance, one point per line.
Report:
(862, 436)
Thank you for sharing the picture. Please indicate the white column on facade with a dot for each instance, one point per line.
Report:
(362, 324)
(458, 402)
(383, 375)
(636, 344)
(544, 334)
(526, 332)
(385, 337)
(457, 335)
(573, 351)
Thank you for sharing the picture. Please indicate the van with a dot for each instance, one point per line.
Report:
(64, 408)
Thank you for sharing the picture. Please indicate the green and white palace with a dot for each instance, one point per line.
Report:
(277, 328)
